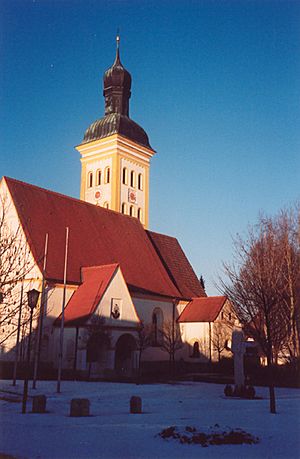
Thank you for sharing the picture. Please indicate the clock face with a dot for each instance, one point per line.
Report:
(97, 195)
(132, 196)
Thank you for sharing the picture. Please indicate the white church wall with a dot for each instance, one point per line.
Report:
(191, 333)
(145, 308)
(68, 347)
(54, 299)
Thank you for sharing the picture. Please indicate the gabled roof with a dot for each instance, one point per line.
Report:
(177, 265)
(84, 301)
(203, 309)
(99, 236)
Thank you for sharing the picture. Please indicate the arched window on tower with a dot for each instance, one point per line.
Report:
(140, 182)
(98, 181)
(132, 179)
(90, 179)
(140, 214)
(107, 175)
(125, 176)
(131, 211)
(157, 327)
(124, 208)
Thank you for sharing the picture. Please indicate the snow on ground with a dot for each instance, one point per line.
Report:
(112, 432)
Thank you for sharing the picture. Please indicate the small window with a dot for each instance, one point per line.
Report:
(98, 177)
(140, 214)
(90, 179)
(229, 316)
(132, 179)
(107, 175)
(131, 211)
(125, 176)
(106, 205)
(140, 182)
(124, 208)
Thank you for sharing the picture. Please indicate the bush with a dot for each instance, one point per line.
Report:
(228, 391)
(249, 392)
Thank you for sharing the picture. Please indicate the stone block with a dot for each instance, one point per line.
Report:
(135, 405)
(39, 404)
(80, 407)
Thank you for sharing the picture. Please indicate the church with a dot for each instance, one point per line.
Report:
(114, 295)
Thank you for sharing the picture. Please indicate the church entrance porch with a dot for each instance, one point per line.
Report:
(126, 356)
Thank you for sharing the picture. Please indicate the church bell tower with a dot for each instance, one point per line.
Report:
(115, 152)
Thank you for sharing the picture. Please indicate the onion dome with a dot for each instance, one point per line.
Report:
(114, 123)
(117, 86)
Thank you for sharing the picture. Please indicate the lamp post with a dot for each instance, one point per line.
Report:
(32, 296)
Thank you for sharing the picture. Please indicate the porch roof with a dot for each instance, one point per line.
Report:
(86, 298)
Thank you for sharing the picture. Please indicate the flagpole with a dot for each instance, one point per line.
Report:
(61, 340)
(41, 318)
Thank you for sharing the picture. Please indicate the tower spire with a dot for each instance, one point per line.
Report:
(118, 46)
(117, 84)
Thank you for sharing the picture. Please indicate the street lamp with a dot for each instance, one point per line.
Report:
(32, 296)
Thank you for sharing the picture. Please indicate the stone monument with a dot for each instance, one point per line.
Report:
(238, 349)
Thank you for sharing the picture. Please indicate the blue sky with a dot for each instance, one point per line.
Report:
(216, 86)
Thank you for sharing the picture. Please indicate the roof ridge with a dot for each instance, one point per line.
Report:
(208, 297)
(162, 234)
(100, 266)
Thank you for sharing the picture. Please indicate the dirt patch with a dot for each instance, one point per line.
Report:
(6, 456)
(216, 436)
(10, 398)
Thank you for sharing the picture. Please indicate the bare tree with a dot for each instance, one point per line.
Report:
(258, 288)
(143, 341)
(287, 227)
(171, 340)
(15, 264)
(220, 337)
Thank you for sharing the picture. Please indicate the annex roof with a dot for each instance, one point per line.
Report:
(202, 309)
(85, 299)
(98, 236)
(177, 265)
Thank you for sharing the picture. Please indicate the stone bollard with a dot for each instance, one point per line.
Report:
(39, 404)
(80, 407)
(136, 405)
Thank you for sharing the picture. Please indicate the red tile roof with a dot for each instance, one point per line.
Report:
(177, 265)
(203, 309)
(84, 301)
(149, 262)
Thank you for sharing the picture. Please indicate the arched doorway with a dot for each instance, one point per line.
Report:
(125, 364)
